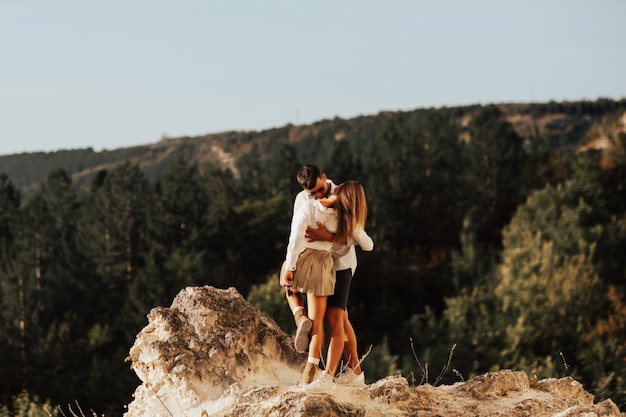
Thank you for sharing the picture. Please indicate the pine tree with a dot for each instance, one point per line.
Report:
(444, 188)
(395, 170)
(113, 237)
(46, 287)
(344, 164)
(494, 162)
(10, 359)
(178, 213)
(113, 225)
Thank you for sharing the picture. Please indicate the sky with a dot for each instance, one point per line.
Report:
(109, 74)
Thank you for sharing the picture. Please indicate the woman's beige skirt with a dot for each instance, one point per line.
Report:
(315, 272)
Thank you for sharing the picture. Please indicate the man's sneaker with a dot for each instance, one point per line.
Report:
(324, 383)
(308, 375)
(301, 341)
(350, 378)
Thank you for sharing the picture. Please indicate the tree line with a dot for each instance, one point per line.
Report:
(507, 250)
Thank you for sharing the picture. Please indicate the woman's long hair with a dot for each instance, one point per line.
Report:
(351, 208)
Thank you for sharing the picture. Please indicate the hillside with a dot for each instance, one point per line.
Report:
(569, 124)
(499, 230)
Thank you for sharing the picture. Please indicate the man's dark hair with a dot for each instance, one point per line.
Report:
(308, 175)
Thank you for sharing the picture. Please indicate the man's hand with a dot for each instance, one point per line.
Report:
(321, 233)
(288, 279)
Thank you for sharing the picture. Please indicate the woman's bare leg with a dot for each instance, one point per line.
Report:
(350, 347)
(316, 306)
(335, 320)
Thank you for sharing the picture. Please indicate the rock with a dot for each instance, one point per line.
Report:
(212, 354)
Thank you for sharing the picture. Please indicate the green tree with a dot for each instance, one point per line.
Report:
(612, 245)
(9, 208)
(281, 171)
(604, 348)
(470, 321)
(179, 211)
(494, 166)
(548, 285)
(443, 191)
(267, 177)
(251, 184)
(186, 243)
(379, 362)
(259, 240)
(9, 335)
(113, 225)
(55, 271)
(113, 236)
(537, 301)
(258, 229)
(45, 289)
(547, 298)
(395, 169)
(343, 164)
(25, 405)
(269, 298)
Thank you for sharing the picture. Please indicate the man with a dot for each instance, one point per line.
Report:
(315, 185)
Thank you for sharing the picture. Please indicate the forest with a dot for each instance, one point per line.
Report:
(493, 250)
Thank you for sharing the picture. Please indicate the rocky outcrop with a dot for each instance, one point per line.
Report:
(212, 354)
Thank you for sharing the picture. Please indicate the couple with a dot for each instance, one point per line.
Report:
(328, 220)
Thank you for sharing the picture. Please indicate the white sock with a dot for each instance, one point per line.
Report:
(314, 361)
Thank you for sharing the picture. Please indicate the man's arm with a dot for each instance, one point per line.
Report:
(287, 279)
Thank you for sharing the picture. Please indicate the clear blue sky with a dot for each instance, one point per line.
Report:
(115, 73)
